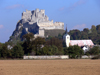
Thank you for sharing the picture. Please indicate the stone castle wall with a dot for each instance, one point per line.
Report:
(41, 32)
(26, 15)
(39, 17)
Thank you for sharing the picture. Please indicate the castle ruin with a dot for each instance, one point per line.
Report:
(39, 17)
(37, 23)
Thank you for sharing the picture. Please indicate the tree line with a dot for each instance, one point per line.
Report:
(93, 34)
(40, 46)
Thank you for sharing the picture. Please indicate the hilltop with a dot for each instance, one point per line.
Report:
(38, 23)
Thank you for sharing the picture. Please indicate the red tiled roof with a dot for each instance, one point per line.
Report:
(81, 42)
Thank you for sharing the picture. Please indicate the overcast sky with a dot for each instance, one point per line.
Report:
(77, 14)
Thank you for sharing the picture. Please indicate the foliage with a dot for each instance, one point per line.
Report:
(28, 37)
(48, 50)
(93, 34)
(93, 29)
(75, 34)
(52, 45)
(94, 51)
(53, 50)
(64, 44)
(28, 43)
(38, 43)
(0, 48)
(56, 42)
(75, 51)
(43, 51)
(31, 45)
(4, 51)
(96, 57)
(98, 29)
(65, 49)
(17, 51)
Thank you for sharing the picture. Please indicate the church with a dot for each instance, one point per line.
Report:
(84, 44)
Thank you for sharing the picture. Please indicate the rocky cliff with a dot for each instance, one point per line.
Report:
(35, 22)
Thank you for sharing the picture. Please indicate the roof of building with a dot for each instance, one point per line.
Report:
(81, 42)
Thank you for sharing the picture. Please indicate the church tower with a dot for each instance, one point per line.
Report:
(66, 38)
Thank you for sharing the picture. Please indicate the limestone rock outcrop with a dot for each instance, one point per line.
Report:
(35, 22)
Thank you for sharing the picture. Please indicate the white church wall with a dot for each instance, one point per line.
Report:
(67, 40)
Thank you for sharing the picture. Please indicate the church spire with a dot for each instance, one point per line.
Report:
(66, 30)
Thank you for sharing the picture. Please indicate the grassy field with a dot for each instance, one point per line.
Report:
(50, 67)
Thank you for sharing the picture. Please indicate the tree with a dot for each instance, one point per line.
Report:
(10, 54)
(75, 51)
(56, 42)
(32, 45)
(28, 37)
(59, 36)
(18, 51)
(94, 51)
(84, 35)
(98, 29)
(64, 44)
(43, 51)
(27, 47)
(28, 43)
(78, 51)
(53, 50)
(71, 52)
(4, 51)
(38, 43)
(0, 48)
(86, 30)
(48, 50)
(75, 34)
(65, 49)
(93, 29)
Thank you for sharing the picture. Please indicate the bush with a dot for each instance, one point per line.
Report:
(96, 57)
(94, 51)
(75, 51)
(4, 51)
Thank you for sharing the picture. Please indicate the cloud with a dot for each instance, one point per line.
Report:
(1, 26)
(15, 6)
(76, 4)
(61, 9)
(73, 6)
(79, 26)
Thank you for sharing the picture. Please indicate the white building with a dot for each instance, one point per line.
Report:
(66, 38)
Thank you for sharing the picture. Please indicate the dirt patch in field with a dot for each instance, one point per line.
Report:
(50, 67)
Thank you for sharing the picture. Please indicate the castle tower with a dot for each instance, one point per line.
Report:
(66, 38)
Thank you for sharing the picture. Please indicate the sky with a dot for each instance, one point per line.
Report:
(76, 14)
